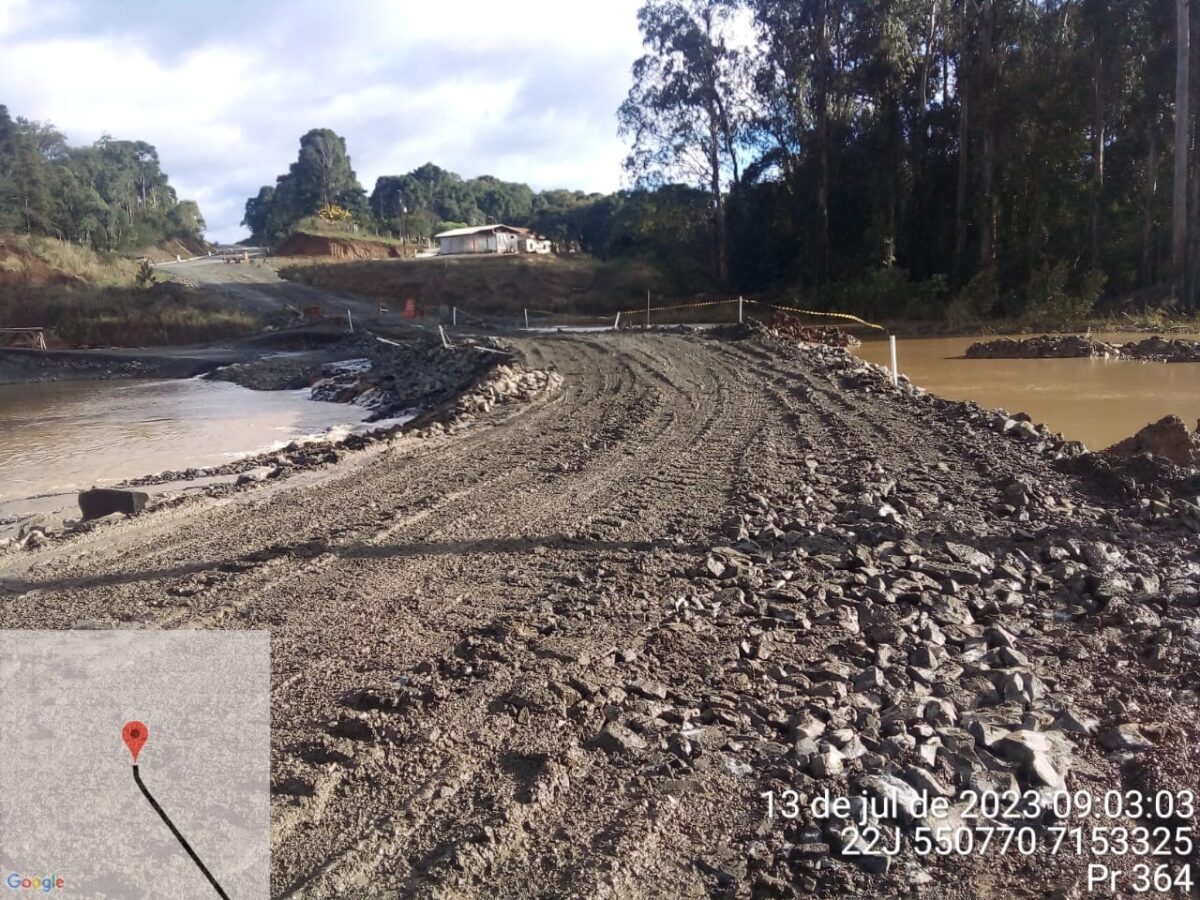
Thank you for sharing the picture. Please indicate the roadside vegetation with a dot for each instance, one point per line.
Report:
(25, 259)
(86, 298)
(165, 314)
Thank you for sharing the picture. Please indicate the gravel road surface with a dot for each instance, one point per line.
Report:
(565, 650)
(257, 286)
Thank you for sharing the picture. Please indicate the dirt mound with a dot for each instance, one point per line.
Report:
(301, 244)
(1158, 349)
(1152, 349)
(1169, 438)
(1045, 347)
(20, 267)
(790, 329)
(385, 378)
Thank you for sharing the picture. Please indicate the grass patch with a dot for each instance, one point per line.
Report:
(495, 285)
(41, 260)
(318, 226)
(164, 315)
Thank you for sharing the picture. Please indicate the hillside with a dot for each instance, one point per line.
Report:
(40, 261)
(575, 284)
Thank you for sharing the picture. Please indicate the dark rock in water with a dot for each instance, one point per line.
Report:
(1044, 347)
(1158, 349)
(1153, 349)
(100, 502)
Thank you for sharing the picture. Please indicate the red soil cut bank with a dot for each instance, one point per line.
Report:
(340, 248)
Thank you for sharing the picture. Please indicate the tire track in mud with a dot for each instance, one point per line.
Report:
(615, 482)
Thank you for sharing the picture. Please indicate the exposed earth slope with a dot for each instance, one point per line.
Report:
(564, 651)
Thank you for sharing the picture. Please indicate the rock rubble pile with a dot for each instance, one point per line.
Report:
(1152, 349)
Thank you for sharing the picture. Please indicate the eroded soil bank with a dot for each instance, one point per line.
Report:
(571, 644)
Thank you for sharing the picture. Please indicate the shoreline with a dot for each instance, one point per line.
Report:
(449, 398)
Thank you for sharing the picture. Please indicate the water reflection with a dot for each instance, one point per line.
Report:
(1097, 401)
(70, 435)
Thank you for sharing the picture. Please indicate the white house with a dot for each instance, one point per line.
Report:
(530, 244)
(489, 239)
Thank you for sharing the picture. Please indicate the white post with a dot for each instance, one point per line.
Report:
(617, 323)
(454, 316)
(895, 369)
(739, 310)
(647, 310)
(442, 332)
(526, 320)
(350, 319)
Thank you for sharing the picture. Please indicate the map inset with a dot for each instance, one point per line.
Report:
(76, 818)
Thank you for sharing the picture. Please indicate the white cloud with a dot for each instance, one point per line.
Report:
(526, 92)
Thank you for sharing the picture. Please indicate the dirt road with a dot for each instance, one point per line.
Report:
(257, 286)
(566, 650)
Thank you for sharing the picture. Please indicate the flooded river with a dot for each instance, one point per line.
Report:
(64, 436)
(1097, 401)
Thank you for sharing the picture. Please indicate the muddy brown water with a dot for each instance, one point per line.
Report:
(1097, 401)
(65, 436)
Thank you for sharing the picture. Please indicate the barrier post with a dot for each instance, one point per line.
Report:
(350, 320)
(895, 369)
(454, 316)
(442, 332)
(740, 304)
(527, 320)
(617, 323)
(647, 310)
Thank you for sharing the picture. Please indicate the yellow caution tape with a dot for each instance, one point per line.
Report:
(642, 309)
(813, 312)
(789, 309)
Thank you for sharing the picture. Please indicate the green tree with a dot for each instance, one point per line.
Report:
(321, 175)
(683, 111)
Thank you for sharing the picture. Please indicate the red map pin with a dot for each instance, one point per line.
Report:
(134, 735)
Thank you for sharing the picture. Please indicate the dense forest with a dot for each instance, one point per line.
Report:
(961, 156)
(111, 196)
(956, 158)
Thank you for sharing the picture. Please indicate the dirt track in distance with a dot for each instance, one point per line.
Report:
(454, 621)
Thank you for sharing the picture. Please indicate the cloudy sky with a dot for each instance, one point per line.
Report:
(526, 91)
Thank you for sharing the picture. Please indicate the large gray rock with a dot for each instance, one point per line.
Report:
(100, 502)
(1043, 756)
(616, 738)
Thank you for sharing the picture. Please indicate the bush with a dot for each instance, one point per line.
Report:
(976, 301)
(145, 275)
(879, 293)
(1050, 298)
(928, 299)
